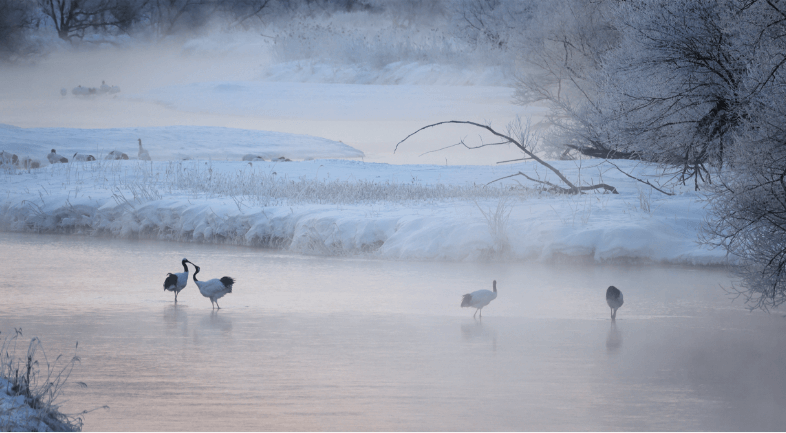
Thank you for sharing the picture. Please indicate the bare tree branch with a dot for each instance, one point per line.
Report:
(646, 182)
(572, 189)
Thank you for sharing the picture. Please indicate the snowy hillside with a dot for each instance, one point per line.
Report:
(335, 207)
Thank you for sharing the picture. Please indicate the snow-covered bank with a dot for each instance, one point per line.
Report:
(335, 207)
(167, 143)
(31, 387)
(16, 414)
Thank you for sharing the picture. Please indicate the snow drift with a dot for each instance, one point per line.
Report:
(334, 207)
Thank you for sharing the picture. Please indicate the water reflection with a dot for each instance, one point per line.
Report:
(478, 331)
(217, 321)
(613, 338)
(176, 318)
(348, 356)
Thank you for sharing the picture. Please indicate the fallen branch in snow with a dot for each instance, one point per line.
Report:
(571, 189)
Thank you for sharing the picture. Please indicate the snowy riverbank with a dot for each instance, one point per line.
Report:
(16, 414)
(341, 207)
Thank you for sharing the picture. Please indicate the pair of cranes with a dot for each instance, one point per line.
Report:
(480, 298)
(214, 289)
(217, 288)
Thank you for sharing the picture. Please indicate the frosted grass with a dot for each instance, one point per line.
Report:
(138, 182)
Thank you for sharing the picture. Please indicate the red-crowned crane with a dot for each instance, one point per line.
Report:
(177, 282)
(614, 299)
(479, 299)
(215, 288)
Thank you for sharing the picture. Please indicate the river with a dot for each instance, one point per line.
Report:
(314, 343)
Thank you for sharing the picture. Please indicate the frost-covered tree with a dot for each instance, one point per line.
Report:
(491, 22)
(673, 90)
(16, 18)
(700, 88)
(561, 53)
(73, 18)
(748, 200)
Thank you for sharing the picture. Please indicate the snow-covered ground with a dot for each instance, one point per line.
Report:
(276, 99)
(349, 207)
(232, 80)
(16, 414)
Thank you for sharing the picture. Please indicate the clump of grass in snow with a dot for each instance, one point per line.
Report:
(38, 381)
(497, 220)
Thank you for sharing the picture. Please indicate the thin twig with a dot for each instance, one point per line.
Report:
(646, 182)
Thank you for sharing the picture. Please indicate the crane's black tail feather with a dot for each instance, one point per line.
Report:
(171, 281)
(228, 282)
(466, 300)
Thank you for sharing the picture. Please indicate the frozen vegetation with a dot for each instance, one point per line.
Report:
(31, 386)
(341, 207)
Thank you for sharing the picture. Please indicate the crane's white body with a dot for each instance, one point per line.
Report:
(214, 289)
(143, 155)
(115, 155)
(54, 158)
(479, 299)
(614, 299)
(83, 157)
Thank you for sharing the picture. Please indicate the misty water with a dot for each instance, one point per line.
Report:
(313, 343)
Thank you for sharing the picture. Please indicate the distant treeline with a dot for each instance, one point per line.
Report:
(73, 20)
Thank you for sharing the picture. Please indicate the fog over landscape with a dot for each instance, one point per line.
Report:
(346, 175)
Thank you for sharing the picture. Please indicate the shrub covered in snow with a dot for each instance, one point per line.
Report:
(30, 387)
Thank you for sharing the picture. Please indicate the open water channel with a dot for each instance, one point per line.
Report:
(313, 343)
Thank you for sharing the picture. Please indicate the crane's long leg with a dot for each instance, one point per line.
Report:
(476, 313)
(219, 307)
(481, 313)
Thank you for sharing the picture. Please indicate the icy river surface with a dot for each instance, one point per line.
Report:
(310, 343)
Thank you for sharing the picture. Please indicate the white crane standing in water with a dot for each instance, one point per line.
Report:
(614, 299)
(215, 288)
(479, 299)
(177, 282)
